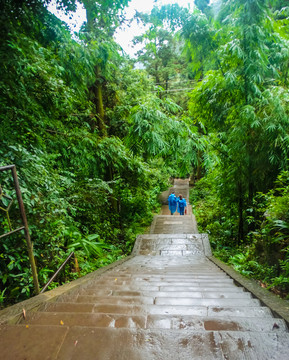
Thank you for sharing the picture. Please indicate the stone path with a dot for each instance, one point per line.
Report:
(181, 186)
(168, 301)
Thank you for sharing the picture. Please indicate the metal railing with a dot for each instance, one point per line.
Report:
(24, 223)
(26, 230)
(57, 272)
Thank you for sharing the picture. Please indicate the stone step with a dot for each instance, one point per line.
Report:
(196, 244)
(137, 344)
(115, 300)
(165, 217)
(166, 277)
(173, 253)
(218, 290)
(86, 343)
(168, 240)
(205, 302)
(142, 300)
(169, 220)
(31, 342)
(181, 225)
(197, 282)
(168, 294)
(170, 236)
(194, 323)
(164, 284)
(88, 319)
(203, 287)
(153, 273)
(173, 229)
(159, 276)
(170, 230)
(181, 274)
(115, 287)
(177, 224)
(138, 298)
(205, 323)
(165, 211)
(173, 220)
(140, 310)
(166, 228)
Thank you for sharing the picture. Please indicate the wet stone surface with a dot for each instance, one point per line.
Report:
(155, 244)
(160, 307)
(169, 302)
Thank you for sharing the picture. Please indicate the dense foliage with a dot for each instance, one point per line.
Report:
(95, 138)
(83, 187)
(242, 101)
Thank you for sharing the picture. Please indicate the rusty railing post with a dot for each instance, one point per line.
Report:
(26, 230)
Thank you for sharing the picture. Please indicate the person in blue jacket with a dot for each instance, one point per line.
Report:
(181, 204)
(172, 200)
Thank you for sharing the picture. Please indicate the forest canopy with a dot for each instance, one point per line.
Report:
(95, 137)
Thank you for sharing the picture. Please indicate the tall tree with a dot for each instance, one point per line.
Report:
(161, 53)
(103, 17)
(239, 102)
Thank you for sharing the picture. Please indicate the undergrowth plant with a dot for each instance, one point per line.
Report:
(264, 254)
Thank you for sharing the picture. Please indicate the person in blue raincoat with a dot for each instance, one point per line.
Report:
(172, 200)
(181, 204)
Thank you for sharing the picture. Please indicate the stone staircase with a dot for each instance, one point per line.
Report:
(167, 224)
(166, 301)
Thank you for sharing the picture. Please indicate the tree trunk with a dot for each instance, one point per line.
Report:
(157, 79)
(240, 213)
(99, 105)
(96, 89)
(199, 174)
(88, 4)
(113, 200)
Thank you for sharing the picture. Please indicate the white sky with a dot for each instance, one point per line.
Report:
(123, 36)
